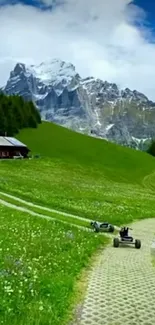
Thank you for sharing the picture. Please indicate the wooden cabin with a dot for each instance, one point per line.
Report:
(11, 148)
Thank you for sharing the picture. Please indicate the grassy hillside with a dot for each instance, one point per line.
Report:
(40, 259)
(82, 175)
(118, 163)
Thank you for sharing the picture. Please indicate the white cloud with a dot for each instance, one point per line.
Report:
(98, 36)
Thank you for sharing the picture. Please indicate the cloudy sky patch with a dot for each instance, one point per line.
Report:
(104, 39)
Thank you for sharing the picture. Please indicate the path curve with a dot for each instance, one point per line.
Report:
(149, 181)
(121, 285)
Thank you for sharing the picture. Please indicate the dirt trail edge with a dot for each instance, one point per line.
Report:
(31, 205)
(121, 285)
(44, 208)
(15, 207)
(43, 216)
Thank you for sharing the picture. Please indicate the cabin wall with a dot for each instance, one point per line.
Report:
(10, 152)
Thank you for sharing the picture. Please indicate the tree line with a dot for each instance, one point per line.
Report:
(151, 149)
(16, 114)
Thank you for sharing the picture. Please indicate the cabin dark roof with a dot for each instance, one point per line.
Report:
(10, 142)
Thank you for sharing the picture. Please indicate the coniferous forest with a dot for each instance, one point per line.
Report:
(16, 114)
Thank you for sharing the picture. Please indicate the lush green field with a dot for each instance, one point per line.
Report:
(82, 175)
(116, 163)
(39, 263)
(40, 260)
(51, 184)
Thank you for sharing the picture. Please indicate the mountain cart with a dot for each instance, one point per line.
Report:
(126, 239)
(102, 226)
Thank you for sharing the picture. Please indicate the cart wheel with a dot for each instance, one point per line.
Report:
(111, 228)
(116, 242)
(137, 243)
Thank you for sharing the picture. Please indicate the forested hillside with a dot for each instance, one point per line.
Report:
(16, 114)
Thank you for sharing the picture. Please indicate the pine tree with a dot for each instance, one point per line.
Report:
(3, 122)
(16, 114)
(151, 149)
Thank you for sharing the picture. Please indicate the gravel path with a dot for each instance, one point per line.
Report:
(121, 284)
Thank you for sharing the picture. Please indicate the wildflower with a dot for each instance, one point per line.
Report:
(8, 289)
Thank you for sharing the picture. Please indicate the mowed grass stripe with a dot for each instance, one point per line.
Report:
(42, 207)
(41, 211)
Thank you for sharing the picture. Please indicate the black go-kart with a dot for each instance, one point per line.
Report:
(102, 226)
(126, 239)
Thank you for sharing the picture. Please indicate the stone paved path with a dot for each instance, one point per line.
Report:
(121, 285)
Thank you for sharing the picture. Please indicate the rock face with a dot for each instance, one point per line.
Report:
(89, 105)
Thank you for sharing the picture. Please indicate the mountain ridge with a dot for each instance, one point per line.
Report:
(88, 105)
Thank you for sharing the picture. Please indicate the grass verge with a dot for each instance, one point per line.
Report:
(40, 262)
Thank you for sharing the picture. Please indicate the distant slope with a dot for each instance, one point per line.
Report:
(117, 163)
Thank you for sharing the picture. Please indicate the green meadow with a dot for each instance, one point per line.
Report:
(90, 178)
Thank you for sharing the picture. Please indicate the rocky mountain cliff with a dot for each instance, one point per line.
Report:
(90, 105)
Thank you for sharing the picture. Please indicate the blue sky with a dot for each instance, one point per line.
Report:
(147, 5)
(149, 8)
(116, 46)
(35, 3)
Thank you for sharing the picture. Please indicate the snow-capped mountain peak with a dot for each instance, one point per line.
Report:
(50, 71)
(54, 70)
(91, 105)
